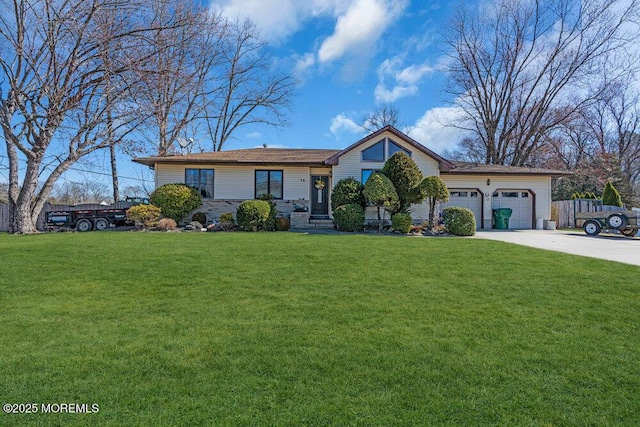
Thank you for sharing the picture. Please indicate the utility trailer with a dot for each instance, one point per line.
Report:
(598, 217)
(88, 217)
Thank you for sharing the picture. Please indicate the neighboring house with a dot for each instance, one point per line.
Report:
(303, 178)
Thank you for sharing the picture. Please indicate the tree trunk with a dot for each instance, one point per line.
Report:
(114, 173)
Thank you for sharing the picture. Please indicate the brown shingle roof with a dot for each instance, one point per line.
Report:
(481, 169)
(253, 156)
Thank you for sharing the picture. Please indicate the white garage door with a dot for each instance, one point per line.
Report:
(466, 198)
(521, 204)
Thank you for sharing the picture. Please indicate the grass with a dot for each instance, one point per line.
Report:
(294, 329)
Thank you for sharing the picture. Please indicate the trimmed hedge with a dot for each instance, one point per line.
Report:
(349, 217)
(227, 217)
(348, 191)
(144, 215)
(253, 215)
(459, 221)
(176, 200)
(401, 222)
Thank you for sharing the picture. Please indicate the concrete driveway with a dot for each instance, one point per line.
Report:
(611, 247)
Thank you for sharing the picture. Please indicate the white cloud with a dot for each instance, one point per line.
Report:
(434, 130)
(359, 23)
(403, 80)
(387, 96)
(360, 27)
(278, 19)
(342, 123)
(304, 63)
(254, 135)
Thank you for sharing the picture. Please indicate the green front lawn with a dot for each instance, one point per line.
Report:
(293, 329)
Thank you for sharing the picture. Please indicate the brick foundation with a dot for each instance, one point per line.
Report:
(214, 208)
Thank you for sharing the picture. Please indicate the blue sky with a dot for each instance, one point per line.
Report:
(351, 56)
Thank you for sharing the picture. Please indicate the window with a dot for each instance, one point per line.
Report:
(202, 179)
(524, 194)
(474, 194)
(269, 182)
(366, 173)
(382, 150)
(375, 153)
(509, 194)
(459, 194)
(394, 148)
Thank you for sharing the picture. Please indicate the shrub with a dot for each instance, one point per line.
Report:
(252, 215)
(401, 222)
(435, 191)
(176, 200)
(348, 191)
(273, 211)
(406, 178)
(144, 215)
(380, 192)
(282, 223)
(227, 217)
(611, 196)
(459, 221)
(349, 217)
(166, 224)
(200, 217)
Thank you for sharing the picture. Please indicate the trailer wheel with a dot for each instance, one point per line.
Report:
(629, 232)
(101, 224)
(84, 225)
(617, 221)
(592, 228)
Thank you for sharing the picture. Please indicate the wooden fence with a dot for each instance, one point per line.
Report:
(562, 211)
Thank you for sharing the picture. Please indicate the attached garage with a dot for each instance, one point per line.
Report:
(466, 198)
(521, 203)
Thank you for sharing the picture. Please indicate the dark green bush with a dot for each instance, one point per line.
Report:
(282, 223)
(406, 177)
(144, 215)
(227, 217)
(200, 217)
(611, 196)
(176, 200)
(273, 211)
(401, 222)
(253, 215)
(348, 191)
(349, 217)
(459, 221)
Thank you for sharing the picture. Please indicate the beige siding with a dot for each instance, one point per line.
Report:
(539, 185)
(238, 182)
(351, 165)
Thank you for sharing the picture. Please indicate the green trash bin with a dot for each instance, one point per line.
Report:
(501, 218)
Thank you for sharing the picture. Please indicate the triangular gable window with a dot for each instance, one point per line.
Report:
(382, 150)
(375, 153)
(394, 148)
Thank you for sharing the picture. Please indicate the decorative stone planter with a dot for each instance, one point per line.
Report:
(299, 220)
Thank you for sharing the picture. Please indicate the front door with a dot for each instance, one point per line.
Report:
(319, 195)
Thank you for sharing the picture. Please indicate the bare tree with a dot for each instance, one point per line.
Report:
(519, 68)
(172, 83)
(247, 87)
(384, 115)
(73, 193)
(52, 100)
